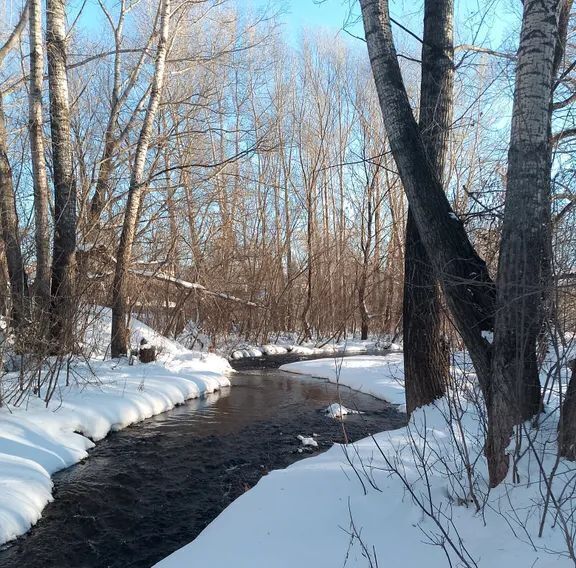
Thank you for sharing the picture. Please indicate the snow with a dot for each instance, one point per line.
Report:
(307, 441)
(310, 348)
(488, 336)
(380, 376)
(36, 441)
(337, 410)
(393, 499)
(272, 349)
(303, 350)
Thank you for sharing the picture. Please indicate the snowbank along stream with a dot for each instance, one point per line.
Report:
(149, 489)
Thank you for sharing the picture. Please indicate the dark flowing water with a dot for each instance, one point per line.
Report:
(149, 489)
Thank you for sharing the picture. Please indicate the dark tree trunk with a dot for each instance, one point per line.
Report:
(507, 371)
(523, 269)
(426, 360)
(63, 257)
(464, 277)
(567, 425)
(9, 222)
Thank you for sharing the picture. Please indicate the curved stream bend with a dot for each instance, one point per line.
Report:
(149, 489)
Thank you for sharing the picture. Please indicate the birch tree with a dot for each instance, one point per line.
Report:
(120, 93)
(39, 175)
(523, 268)
(120, 300)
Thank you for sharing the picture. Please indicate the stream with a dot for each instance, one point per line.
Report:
(153, 487)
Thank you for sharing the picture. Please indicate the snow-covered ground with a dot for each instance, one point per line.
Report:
(380, 376)
(413, 497)
(104, 395)
(310, 348)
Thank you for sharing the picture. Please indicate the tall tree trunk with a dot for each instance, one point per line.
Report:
(63, 256)
(463, 274)
(310, 243)
(9, 222)
(40, 181)
(507, 370)
(120, 333)
(526, 235)
(426, 361)
(8, 215)
(567, 424)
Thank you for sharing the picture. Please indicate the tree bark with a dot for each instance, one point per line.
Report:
(120, 305)
(426, 361)
(365, 246)
(9, 222)
(523, 269)
(40, 181)
(567, 424)
(8, 214)
(63, 257)
(463, 275)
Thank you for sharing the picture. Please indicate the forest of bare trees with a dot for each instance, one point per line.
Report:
(216, 163)
(185, 163)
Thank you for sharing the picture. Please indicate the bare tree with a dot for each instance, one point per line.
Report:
(10, 231)
(463, 274)
(523, 268)
(426, 361)
(8, 215)
(39, 175)
(120, 93)
(120, 302)
(510, 378)
(63, 257)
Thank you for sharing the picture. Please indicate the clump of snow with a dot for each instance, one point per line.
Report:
(36, 441)
(337, 410)
(488, 336)
(271, 349)
(307, 441)
(310, 348)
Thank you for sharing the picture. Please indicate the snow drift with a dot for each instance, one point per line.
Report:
(36, 441)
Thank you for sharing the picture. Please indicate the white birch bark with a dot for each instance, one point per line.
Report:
(120, 304)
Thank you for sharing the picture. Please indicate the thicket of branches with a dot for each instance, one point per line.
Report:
(267, 174)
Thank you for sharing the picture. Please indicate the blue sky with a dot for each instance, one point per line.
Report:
(494, 18)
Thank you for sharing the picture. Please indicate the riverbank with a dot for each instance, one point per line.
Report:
(379, 376)
(38, 440)
(416, 496)
(148, 490)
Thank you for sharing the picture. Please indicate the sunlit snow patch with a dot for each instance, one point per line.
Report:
(336, 410)
(307, 441)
